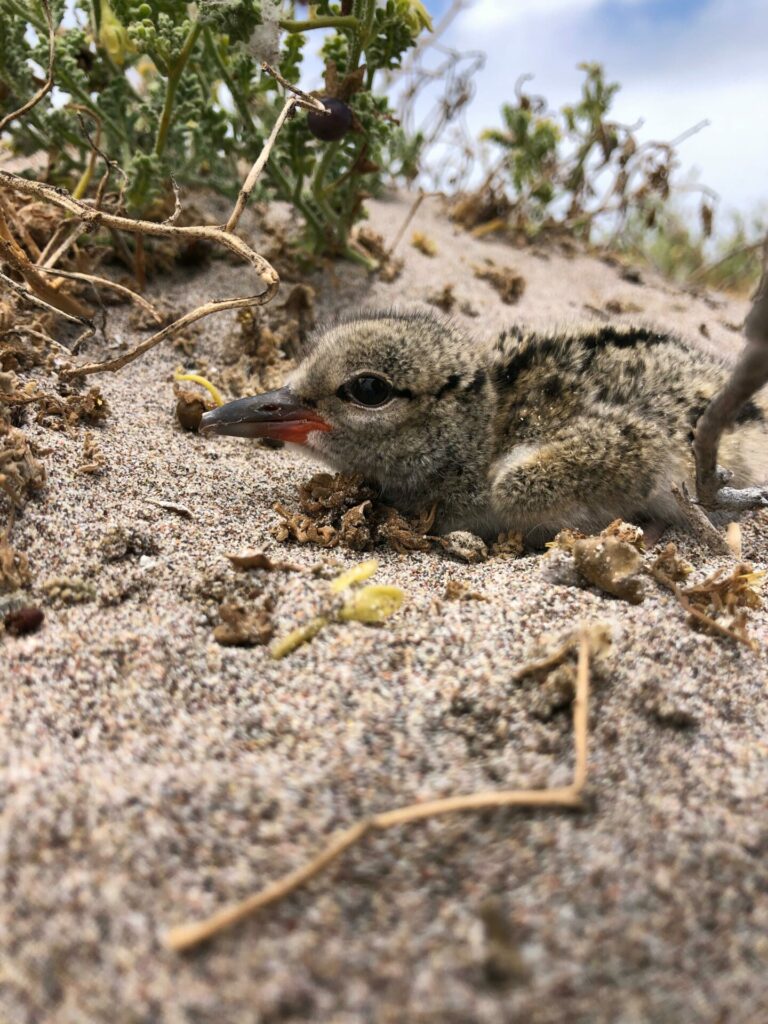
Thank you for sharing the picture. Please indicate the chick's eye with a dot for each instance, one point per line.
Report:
(368, 390)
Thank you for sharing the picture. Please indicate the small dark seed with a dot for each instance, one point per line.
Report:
(24, 620)
(332, 126)
(189, 411)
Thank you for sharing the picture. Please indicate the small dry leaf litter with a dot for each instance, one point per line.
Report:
(613, 561)
(508, 282)
(342, 511)
(424, 243)
(94, 460)
(390, 267)
(21, 473)
(244, 627)
(718, 604)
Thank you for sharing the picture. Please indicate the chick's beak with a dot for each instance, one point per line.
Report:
(275, 414)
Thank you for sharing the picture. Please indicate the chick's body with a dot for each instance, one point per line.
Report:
(530, 432)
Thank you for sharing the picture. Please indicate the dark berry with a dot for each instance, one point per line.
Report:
(24, 620)
(331, 126)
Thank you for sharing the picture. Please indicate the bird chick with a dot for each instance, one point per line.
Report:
(530, 432)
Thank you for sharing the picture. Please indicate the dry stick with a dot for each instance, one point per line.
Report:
(96, 218)
(10, 217)
(32, 297)
(67, 234)
(697, 613)
(12, 253)
(32, 333)
(104, 282)
(63, 237)
(734, 539)
(698, 523)
(46, 87)
(739, 250)
(253, 174)
(717, 627)
(309, 101)
(186, 936)
(299, 99)
(748, 376)
(404, 226)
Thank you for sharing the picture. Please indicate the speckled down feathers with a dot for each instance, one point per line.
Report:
(526, 432)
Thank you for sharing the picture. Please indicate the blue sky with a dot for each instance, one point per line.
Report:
(678, 61)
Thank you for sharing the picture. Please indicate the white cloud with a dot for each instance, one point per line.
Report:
(495, 14)
(674, 72)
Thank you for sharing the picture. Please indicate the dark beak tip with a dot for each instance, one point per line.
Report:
(208, 423)
(278, 415)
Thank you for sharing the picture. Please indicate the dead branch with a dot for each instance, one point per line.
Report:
(91, 217)
(29, 332)
(186, 936)
(27, 293)
(408, 218)
(250, 181)
(698, 523)
(104, 282)
(748, 376)
(94, 219)
(63, 237)
(297, 99)
(9, 217)
(11, 252)
(47, 85)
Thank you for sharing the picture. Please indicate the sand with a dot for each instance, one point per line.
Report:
(151, 775)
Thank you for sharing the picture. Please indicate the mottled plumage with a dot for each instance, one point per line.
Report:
(530, 432)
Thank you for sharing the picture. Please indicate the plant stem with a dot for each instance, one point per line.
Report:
(284, 188)
(317, 188)
(174, 75)
(366, 10)
(354, 256)
(27, 15)
(324, 21)
(85, 178)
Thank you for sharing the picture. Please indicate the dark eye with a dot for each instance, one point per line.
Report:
(367, 390)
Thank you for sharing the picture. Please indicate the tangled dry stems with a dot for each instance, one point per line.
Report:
(91, 216)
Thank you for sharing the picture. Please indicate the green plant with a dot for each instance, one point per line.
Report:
(163, 89)
(672, 243)
(572, 169)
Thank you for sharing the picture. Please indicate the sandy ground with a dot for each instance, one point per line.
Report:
(151, 775)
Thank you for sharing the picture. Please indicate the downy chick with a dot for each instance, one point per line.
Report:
(531, 432)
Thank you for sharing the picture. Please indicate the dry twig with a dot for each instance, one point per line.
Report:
(95, 218)
(186, 936)
(91, 216)
(115, 286)
(698, 523)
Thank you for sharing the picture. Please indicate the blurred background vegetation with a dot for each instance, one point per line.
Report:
(154, 95)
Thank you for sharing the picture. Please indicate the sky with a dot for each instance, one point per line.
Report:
(678, 62)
